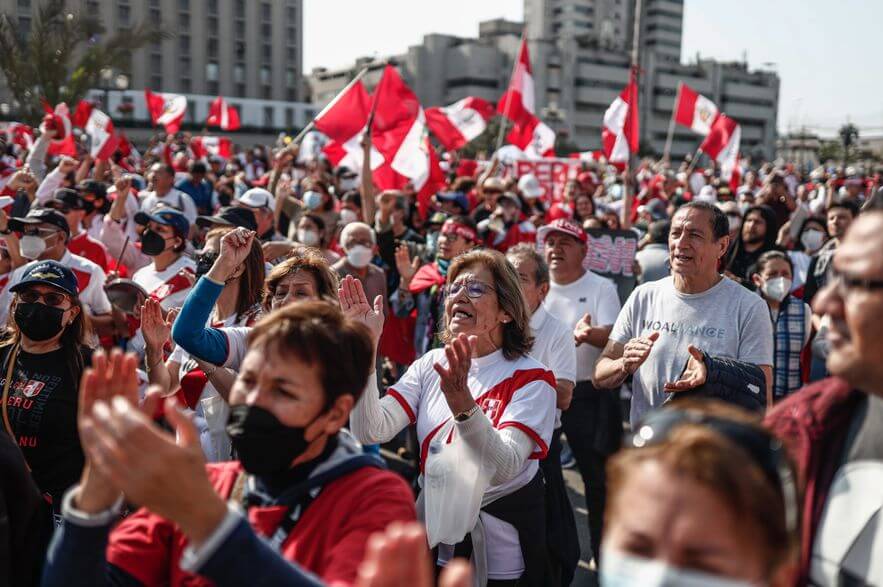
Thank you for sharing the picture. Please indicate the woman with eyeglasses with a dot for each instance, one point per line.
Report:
(702, 496)
(484, 412)
(42, 356)
(304, 276)
(237, 305)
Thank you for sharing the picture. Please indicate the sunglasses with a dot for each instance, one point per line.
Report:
(766, 451)
(51, 298)
(474, 289)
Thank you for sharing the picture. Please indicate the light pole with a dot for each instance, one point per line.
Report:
(111, 81)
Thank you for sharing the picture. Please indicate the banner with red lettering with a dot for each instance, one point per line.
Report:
(551, 172)
(611, 254)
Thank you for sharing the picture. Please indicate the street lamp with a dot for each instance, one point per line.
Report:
(109, 81)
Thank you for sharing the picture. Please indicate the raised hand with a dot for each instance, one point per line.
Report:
(455, 377)
(155, 329)
(406, 266)
(695, 373)
(354, 304)
(583, 330)
(636, 352)
(235, 247)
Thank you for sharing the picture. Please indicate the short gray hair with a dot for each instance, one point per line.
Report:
(525, 251)
(349, 228)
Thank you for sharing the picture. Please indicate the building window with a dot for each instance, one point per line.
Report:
(266, 76)
(156, 82)
(240, 50)
(239, 28)
(290, 78)
(212, 6)
(267, 52)
(289, 117)
(184, 22)
(268, 116)
(267, 30)
(212, 47)
(155, 14)
(212, 88)
(184, 5)
(184, 43)
(240, 8)
(266, 12)
(186, 84)
(291, 94)
(124, 12)
(291, 32)
(239, 74)
(211, 71)
(240, 90)
(156, 63)
(291, 13)
(24, 4)
(213, 24)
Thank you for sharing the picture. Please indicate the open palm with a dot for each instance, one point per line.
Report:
(354, 304)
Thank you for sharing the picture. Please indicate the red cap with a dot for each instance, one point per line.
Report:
(562, 225)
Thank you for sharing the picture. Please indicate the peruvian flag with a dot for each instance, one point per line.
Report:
(59, 119)
(399, 133)
(722, 145)
(166, 109)
(343, 121)
(104, 141)
(20, 134)
(214, 146)
(459, 123)
(694, 110)
(587, 155)
(222, 114)
(619, 136)
(517, 102)
(536, 139)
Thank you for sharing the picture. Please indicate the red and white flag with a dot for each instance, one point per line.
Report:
(20, 134)
(59, 119)
(587, 155)
(694, 110)
(619, 137)
(223, 115)
(459, 123)
(343, 121)
(517, 102)
(103, 139)
(205, 146)
(536, 139)
(722, 145)
(166, 109)
(399, 132)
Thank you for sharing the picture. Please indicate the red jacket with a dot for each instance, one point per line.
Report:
(813, 424)
(329, 540)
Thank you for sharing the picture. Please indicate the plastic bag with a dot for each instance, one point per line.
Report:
(455, 479)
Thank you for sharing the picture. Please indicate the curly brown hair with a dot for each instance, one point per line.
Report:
(311, 261)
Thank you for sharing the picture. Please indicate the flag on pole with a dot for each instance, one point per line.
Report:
(619, 135)
(166, 109)
(722, 145)
(343, 121)
(103, 138)
(59, 119)
(459, 123)
(536, 139)
(517, 102)
(223, 115)
(694, 110)
(20, 134)
(204, 146)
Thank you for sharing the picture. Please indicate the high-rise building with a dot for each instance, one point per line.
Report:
(249, 51)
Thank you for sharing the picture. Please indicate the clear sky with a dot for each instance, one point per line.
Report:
(827, 54)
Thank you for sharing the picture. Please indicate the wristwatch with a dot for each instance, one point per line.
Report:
(463, 416)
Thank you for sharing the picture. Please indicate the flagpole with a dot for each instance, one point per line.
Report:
(502, 131)
(693, 162)
(671, 126)
(628, 194)
(312, 124)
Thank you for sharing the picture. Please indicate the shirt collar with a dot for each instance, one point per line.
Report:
(538, 318)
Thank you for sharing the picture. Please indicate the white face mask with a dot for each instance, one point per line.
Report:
(306, 237)
(619, 569)
(812, 240)
(31, 246)
(776, 288)
(347, 216)
(312, 200)
(359, 256)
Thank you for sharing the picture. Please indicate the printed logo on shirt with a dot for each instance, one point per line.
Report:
(32, 388)
(682, 329)
(492, 408)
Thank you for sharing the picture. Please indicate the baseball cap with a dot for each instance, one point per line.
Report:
(258, 198)
(562, 225)
(167, 216)
(65, 199)
(458, 198)
(98, 188)
(41, 216)
(229, 216)
(48, 273)
(529, 185)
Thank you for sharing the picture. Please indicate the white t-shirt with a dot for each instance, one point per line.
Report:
(174, 198)
(590, 294)
(519, 393)
(151, 280)
(90, 281)
(553, 347)
(725, 320)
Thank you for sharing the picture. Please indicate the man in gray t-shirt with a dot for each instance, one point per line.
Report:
(696, 306)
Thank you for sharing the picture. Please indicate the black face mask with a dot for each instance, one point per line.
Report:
(263, 444)
(152, 243)
(38, 321)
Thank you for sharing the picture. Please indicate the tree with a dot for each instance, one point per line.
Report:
(63, 54)
(848, 137)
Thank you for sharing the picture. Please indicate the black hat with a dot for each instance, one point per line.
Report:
(41, 216)
(229, 216)
(99, 188)
(65, 199)
(49, 273)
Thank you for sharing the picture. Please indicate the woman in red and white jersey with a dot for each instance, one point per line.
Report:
(479, 404)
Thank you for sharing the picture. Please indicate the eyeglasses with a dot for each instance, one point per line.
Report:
(844, 282)
(50, 298)
(474, 289)
(766, 451)
(41, 232)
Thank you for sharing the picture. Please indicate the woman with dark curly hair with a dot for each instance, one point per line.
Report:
(484, 412)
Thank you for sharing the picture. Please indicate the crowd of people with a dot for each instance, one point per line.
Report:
(261, 370)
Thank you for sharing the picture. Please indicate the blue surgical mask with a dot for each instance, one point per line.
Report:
(312, 200)
(619, 569)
